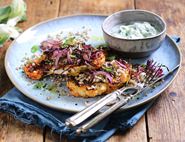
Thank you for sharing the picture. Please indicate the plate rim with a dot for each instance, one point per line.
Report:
(71, 110)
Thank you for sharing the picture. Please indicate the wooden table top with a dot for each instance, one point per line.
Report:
(165, 122)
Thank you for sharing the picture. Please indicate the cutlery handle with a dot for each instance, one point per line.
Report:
(122, 102)
(101, 116)
(87, 112)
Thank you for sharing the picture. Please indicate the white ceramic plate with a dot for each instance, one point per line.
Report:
(167, 54)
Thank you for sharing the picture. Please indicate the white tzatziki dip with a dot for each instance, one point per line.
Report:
(135, 30)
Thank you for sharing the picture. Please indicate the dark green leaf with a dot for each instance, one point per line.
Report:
(4, 13)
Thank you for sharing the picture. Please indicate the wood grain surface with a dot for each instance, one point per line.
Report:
(136, 134)
(163, 123)
(69, 7)
(10, 129)
(15, 131)
(166, 120)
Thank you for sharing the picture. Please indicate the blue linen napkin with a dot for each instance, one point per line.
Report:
(30, 112)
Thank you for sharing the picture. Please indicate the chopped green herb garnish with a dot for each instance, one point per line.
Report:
(52, 88)
(143, 65)
(107, 69)
(73, 56)
(48, 61)
(103, 46)
(39, 85)
(34, 48)
(68, 42)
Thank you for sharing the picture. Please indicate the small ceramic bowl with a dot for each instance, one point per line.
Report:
(134, 48)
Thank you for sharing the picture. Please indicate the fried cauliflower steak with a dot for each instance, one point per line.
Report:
(100, 82)
(68, 62)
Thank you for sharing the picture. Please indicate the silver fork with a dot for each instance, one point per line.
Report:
(84, 114)
(152, 76)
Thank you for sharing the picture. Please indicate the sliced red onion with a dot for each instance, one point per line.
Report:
(60, 53)
(53, 42)
(121, 65)
(50, 44)
(56, 61)
(57, 54)
(86, 57)
(45, 46)
(87, 46)
(87, 63)
(89, 54)
(98, 54)
(69, 60)
(95, 54)
(140, 69)
(123, 61)
(107, 75)
(78, 61)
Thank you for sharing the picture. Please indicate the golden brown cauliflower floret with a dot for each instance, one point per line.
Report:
(87, 90)
(99, 60)
(32, 70)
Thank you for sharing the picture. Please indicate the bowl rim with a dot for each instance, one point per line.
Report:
(135, 10)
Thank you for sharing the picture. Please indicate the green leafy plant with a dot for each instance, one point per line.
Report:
(9, 16)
